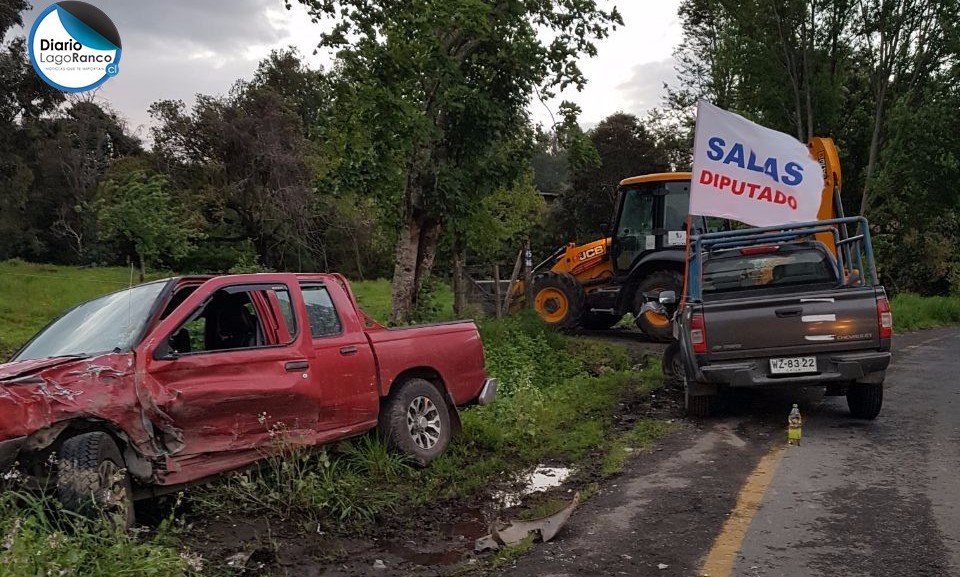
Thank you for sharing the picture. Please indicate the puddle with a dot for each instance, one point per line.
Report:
(426, 558)
(469, 529)
(540, 479)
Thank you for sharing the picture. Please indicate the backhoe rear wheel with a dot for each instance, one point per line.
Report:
(559, 300)
(656, 325)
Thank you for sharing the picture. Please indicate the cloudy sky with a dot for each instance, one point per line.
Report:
(178, 48)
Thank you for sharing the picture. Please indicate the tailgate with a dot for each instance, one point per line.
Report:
(821, 321)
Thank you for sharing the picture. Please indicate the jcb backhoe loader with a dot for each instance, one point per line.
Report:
(595, 284)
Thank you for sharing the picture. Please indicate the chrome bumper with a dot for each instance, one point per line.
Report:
(488, 393)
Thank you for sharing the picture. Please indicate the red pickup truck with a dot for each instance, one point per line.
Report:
(173, 381)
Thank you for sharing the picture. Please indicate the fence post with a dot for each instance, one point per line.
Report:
(496, 291)
(528, 273)
(514, 277)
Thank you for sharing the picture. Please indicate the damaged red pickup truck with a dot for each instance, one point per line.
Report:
(176, 380)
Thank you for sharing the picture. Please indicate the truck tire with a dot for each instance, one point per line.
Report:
(697, 406)
(559, 300)
(598, 321)
(416, 421)
(92, 479)
(672, 363)
(656, 326)
(865, 400)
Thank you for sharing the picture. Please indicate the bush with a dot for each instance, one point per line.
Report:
(913, 312)
(525, 355)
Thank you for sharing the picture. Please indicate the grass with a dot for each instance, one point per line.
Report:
(913, 312)
(31, 295)
(374, 298)
(38, 540)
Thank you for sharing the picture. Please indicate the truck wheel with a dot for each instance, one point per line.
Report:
(698, 406)
(598, 321)
(416, 421)
(559, 300)
(865, 400)
(656, 325)
(672, 362)
(92, 480)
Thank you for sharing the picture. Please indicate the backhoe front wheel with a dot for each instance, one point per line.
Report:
(656, 325)
(559, 300)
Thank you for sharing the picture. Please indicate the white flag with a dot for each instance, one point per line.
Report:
(743, 171)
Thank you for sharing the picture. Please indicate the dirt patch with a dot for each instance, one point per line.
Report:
(636, 342)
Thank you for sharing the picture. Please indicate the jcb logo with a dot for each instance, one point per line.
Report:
(590, 253)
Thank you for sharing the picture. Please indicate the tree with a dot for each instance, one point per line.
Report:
(244, 162)
(135, 212)
(904, 42)
(617, 148)
(447, 83)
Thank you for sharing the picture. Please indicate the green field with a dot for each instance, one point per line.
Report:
(33, 294)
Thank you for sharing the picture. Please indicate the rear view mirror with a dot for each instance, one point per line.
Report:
(668, 298)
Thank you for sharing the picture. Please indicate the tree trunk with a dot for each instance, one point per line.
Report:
(429, 237)
(459, 277)
(356, 254)
(143, 267)
(791, 66)
(874, 148)
(404, 286)
(807, 55)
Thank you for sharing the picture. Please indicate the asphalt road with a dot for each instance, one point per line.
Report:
(871, 498)
(725, 496)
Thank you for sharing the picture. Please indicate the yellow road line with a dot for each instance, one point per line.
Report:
(727, 545)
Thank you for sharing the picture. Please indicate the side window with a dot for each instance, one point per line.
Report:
(228, 321)
(286, 309)
(635, 228)
(324, 321)
(676, 205)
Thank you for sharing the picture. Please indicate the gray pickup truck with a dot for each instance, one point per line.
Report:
(773, 307)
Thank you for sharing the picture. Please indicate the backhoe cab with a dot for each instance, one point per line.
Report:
(593, 285)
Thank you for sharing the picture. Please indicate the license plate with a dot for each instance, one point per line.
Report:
(793, 365)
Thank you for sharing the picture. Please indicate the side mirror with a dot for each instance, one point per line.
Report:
(668, 298)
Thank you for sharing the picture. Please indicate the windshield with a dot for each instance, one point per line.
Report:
(109, 323)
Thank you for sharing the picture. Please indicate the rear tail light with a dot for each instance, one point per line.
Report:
(884, 318)
(698, 334)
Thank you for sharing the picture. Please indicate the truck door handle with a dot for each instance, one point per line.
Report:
(348, 351)
(790, 312)
(296, 366)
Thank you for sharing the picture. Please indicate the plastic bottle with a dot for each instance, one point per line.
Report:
(794, 426)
